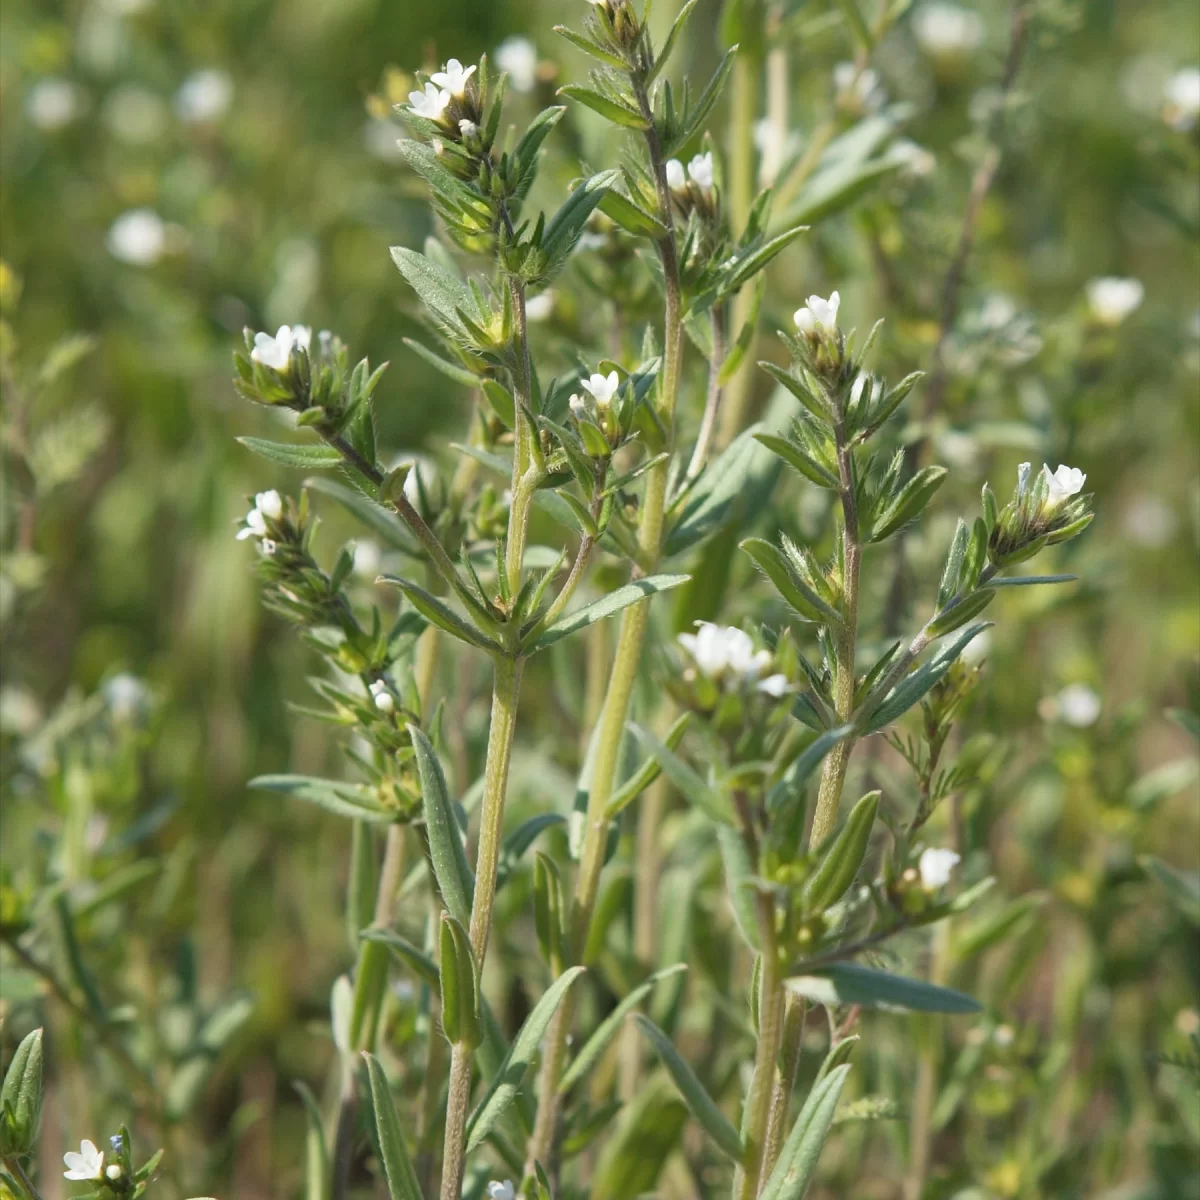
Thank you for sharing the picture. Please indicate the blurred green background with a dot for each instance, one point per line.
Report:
(252, 143)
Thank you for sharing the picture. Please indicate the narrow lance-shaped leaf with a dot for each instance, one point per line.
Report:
(851, 983)
(294, 454)
(909, 504)
(21, 1097)
(316, 1153)
(605, 606)
(842, 857)
(461, 1020)
(512, 1071)
(701, 1105)
(805, 763)
(437, 613)
(397, 1166)
(770, 560)
(612, 110)
(345, 799)
(567, 224)
(648, 772)
(798, 1159)
(693, 787)
(446, 852)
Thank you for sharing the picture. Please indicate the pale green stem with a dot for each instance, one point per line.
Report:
(505, 692)
(795, 1011)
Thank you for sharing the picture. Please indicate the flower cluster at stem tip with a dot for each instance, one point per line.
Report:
(268, 506)
(726, 654)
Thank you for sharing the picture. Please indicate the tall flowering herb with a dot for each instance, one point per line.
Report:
(620, 451)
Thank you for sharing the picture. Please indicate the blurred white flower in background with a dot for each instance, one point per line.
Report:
(1111, 298)
(204, 96)
(1182, 94)
(700, 171)
(126, 696)
(1150, 521)
(775, 144)
(725, 652)
(539, 307)
(1077, 705)
(138, 237)
(912, 158)
(947, 31)
(936, 866)
(497, 1190)
(52, 103)
(977, 648)
(518, 56)
(861, 89)
(367, 558)
(676, 178)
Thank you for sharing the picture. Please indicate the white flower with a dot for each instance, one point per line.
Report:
(722, 650)
(126, 694)
(1149, 521)
(266, 504)
(276, 352)
(113, 1172)
(204, 96)
(430, 103)
(454, 77)
(1183, 98)
(138, 237)
(774, 685)
(1078, 705)
(602, 387)
(505, 1190)
(861, 87)
(935, 866)
(775, 143)
(1063, 483)
(518, 56)
(676, 180)
(467, 128)
(367, 558)
(912, 158)
(700, 171)
(818, 315)
(384, 700)
(87, 1164)
(1112, 298)
(977, 648)
(578, 405)
(945, 30)
(539, 308)
(52, 103)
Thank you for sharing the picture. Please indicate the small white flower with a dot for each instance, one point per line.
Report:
(276, 352)
(384, 700)
(861, 87)
(138, 237)
(87, 1164)
(700, 171)
(578, 406)
(945, 30)
(540, 307)
(505, 1190)
(518, 56)
(1062, 484)
(774, 685)
(1112, 299)
(126, 694)
(935, 866)
(1078, 705)
(602, 387)
(52, 103)
(430, 103)
(818, 315)
(367, 558)
(270, 504)
(204, 96)
(1183, 98)
(467, 128)
(913, 158)
(454, 77)
(1003, 1036)
(676, 179)
(113, 1171)
(724, 651)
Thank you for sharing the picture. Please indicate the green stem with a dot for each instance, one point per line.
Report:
(505, 692)
(757, 1115)
(795, 1012)
(12, 1164)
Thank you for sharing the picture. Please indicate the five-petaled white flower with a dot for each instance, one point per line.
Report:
(1112, 298)
(382, 695)
(700, 170)
(454, 77)
(1062, 484)
(725, 651)
(87, 1164)
(935, 866)
(602, 387)
(430, 103)
(276, 352)
(266, 504)
(502, 1191)
(818, 315)
(676, 179)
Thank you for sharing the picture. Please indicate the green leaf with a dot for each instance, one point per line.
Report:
(590, 47)
(412, 956)
(504, 1086)
(850, 983)
(605, 606)
(441, 292)
(362, 884)
(739, 880)
(567, 224)
(608, 1029)
(632, 1159)
(397, 1166)
(881, 711)
(438, 363)
(1182, 887)
(842, 858)
(746, 268)
(798, 460)
(450, 869)
(303, 455)
(962, 611)
(461, 1021)
(698, 113)
(21, 1097)
(909, 504)
(693, 787)
(346, 799)
(380, 521)
(1030, 580)
(660, 59)
(857, 23)
(700, 1104)
(610, 109)
(798, 1159)
(316, 1153)
(804, 765)
(433, 610)
(647, 773)
(989, 931)
(632, 217)
(798, 595)
(521, 838)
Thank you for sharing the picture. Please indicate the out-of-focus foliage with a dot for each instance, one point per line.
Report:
(171, 172)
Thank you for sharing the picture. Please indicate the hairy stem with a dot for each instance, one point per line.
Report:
(795, 1012)
(505, 692)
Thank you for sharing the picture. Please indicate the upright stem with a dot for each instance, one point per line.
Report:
(795, 1012)
(505, 692)
(712, 401)
(626, 662)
